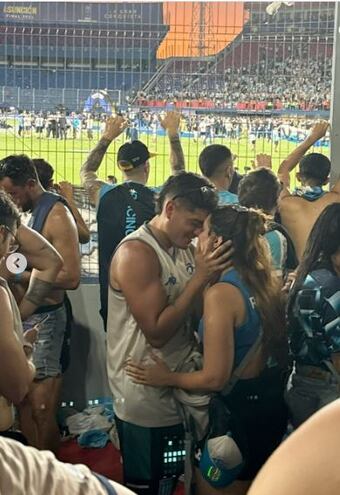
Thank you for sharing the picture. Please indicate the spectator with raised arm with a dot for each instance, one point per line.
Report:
(114, 127)
(123, 208)
(65, 189)
(300, 208)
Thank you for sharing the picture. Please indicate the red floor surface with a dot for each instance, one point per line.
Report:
(104, 461)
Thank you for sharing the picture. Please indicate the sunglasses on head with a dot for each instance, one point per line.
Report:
(239, 210)
(203, 191)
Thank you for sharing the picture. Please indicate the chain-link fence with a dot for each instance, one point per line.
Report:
(251, 75)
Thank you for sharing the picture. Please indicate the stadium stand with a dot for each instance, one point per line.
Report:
(292, 47)
(113, 49)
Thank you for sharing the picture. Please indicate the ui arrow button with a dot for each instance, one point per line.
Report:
(16, 263)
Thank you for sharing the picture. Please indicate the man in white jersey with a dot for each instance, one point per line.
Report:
(156, 281)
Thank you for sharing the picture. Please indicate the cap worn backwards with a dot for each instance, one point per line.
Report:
(132, 155)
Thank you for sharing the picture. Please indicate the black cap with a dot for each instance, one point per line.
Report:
(131, 155)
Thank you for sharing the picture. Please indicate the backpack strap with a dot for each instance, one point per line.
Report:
(237, 373)
(291, 260)
(43, 209)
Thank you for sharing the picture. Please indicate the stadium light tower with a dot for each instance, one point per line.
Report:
(201, 28)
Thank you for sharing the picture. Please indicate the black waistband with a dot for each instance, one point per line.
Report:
(48, 309)
(105, 483)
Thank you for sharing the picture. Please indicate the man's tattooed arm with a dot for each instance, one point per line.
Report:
(35, 296)
(88, 175)
(171, 124)
(177, 161)
(89, 179)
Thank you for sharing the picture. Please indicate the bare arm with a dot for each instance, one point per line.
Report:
(317, 132)
(16, 372)
(136, 269)
(88, 172)
(62, 232)
(219, 323)
(171, 124)
(220, 303)
(45, 262)
(66, 190)
(307, 461)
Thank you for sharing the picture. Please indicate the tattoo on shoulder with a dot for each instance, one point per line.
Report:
(38, 291)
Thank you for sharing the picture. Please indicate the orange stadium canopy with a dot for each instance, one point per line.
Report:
(221, 22)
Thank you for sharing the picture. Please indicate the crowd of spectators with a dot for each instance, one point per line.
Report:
(205, 128)
(294, 83)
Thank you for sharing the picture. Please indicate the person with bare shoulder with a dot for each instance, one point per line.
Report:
(16, 371)
(114, 127)
(51, 217)
(122, 208)
(300, 208)
(307, 463)
(45, 263)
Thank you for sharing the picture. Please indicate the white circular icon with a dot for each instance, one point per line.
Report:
(16, 263)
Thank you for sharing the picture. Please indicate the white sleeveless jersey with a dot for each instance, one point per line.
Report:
(138, 404)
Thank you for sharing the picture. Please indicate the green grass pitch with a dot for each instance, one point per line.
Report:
(67, 156)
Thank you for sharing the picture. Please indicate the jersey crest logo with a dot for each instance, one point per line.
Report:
(190, 268)
(133, 194)
(171, 281)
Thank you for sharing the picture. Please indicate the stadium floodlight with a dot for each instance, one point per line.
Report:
(273, 7)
